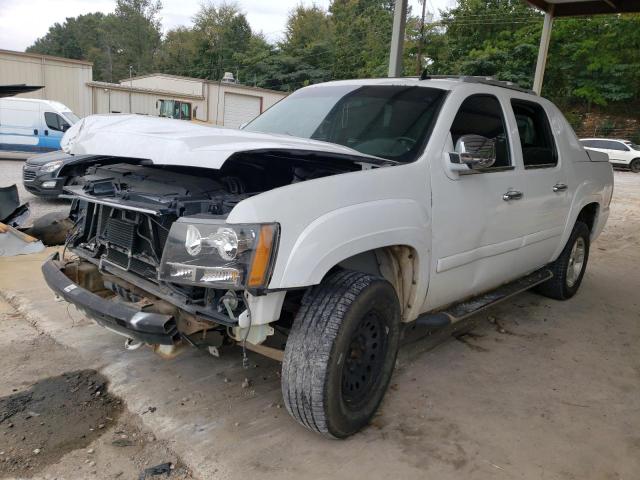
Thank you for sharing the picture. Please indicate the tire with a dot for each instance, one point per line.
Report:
(634, 166)
(341, 352)
(567, 270)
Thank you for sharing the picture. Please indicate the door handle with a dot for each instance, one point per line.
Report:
(46, 132)
(512, 195)
(35, 131)
(559, 187)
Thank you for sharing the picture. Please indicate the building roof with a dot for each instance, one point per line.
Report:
(47, 57)
(570, 8)
(204, 80)
(133, 88)
(11, 90)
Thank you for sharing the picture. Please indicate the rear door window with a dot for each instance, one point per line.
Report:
(536, 138)
(618, 146)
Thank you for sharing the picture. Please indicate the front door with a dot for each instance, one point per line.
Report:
(477, 219)
(54, 127)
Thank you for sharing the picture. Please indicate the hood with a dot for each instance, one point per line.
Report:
(52, 157)
(165, 141)
(48, 157)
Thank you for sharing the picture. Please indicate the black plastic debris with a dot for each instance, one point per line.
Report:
(162, 469)
(11, 212)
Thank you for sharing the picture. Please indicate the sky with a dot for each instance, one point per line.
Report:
(23, 21)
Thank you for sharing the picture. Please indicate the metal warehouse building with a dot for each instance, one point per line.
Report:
(63, 79)
(71, 83)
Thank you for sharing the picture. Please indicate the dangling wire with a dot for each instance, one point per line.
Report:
(245, 359)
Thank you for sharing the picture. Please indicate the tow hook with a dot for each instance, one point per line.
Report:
(131, 344)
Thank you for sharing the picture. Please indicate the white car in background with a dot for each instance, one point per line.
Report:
(622, 153)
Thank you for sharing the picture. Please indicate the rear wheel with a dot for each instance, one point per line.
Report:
(570, 266)
(634, 166)
(341, 352)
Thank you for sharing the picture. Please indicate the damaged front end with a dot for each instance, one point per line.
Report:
(151, 256)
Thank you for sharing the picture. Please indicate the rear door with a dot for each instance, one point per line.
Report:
(618, 151)
(548, 190)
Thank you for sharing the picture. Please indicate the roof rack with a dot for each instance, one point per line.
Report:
(474, 79)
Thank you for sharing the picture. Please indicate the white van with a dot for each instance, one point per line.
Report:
(32, 125)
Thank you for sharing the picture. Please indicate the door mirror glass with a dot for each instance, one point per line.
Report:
(476, 151)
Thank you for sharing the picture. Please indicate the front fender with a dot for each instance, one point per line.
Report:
(347, 231)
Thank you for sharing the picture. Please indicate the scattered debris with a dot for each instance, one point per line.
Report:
(11, 212)
(161, 469)
(122, 442)
(14, 242)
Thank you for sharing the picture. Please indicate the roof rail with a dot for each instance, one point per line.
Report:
(474, 79)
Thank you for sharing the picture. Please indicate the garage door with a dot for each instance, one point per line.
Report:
(239, 109)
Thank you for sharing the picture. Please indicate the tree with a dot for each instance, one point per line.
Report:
(362, 37)
(137, 33)
(223, 37)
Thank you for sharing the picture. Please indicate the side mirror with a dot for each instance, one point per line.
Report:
(473, 151)
(64, 127)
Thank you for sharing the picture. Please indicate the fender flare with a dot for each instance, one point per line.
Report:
(581, 198)
(342, 233)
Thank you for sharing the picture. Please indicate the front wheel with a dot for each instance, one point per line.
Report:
(341, 352)
(570, 266)
(634, 166)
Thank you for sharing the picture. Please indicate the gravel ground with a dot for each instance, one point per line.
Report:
(10, 173)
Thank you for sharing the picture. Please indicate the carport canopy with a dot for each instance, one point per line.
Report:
(571, 8)
(551, 9)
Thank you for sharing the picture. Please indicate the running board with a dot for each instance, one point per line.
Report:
(462, 310)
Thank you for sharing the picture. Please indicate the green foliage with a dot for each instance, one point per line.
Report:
(128, 37)
(592, 61)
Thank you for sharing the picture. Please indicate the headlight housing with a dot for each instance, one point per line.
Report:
(214, 254)
(51, 166)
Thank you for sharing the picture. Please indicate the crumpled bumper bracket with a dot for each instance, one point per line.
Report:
(127, 320)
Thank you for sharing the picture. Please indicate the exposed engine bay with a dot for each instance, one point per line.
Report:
(123, 211)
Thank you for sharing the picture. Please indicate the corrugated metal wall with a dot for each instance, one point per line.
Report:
(64, 81)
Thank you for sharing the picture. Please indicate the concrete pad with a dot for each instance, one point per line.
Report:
(543, 389)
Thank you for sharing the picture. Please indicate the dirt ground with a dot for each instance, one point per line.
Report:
(538, 389)
(60, 422)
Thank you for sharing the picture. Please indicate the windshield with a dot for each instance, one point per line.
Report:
(632, 146)
(72, 117)
(392, 122)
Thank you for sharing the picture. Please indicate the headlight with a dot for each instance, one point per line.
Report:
(52, 166)
(219, 255)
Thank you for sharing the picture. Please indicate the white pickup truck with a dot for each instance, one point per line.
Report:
(327, 224)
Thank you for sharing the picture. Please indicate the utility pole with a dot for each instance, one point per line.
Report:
(543, 50)
(397, 38)
(130, 85)
(421, 39)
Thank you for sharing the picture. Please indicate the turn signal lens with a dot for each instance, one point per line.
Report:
(262, 257)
